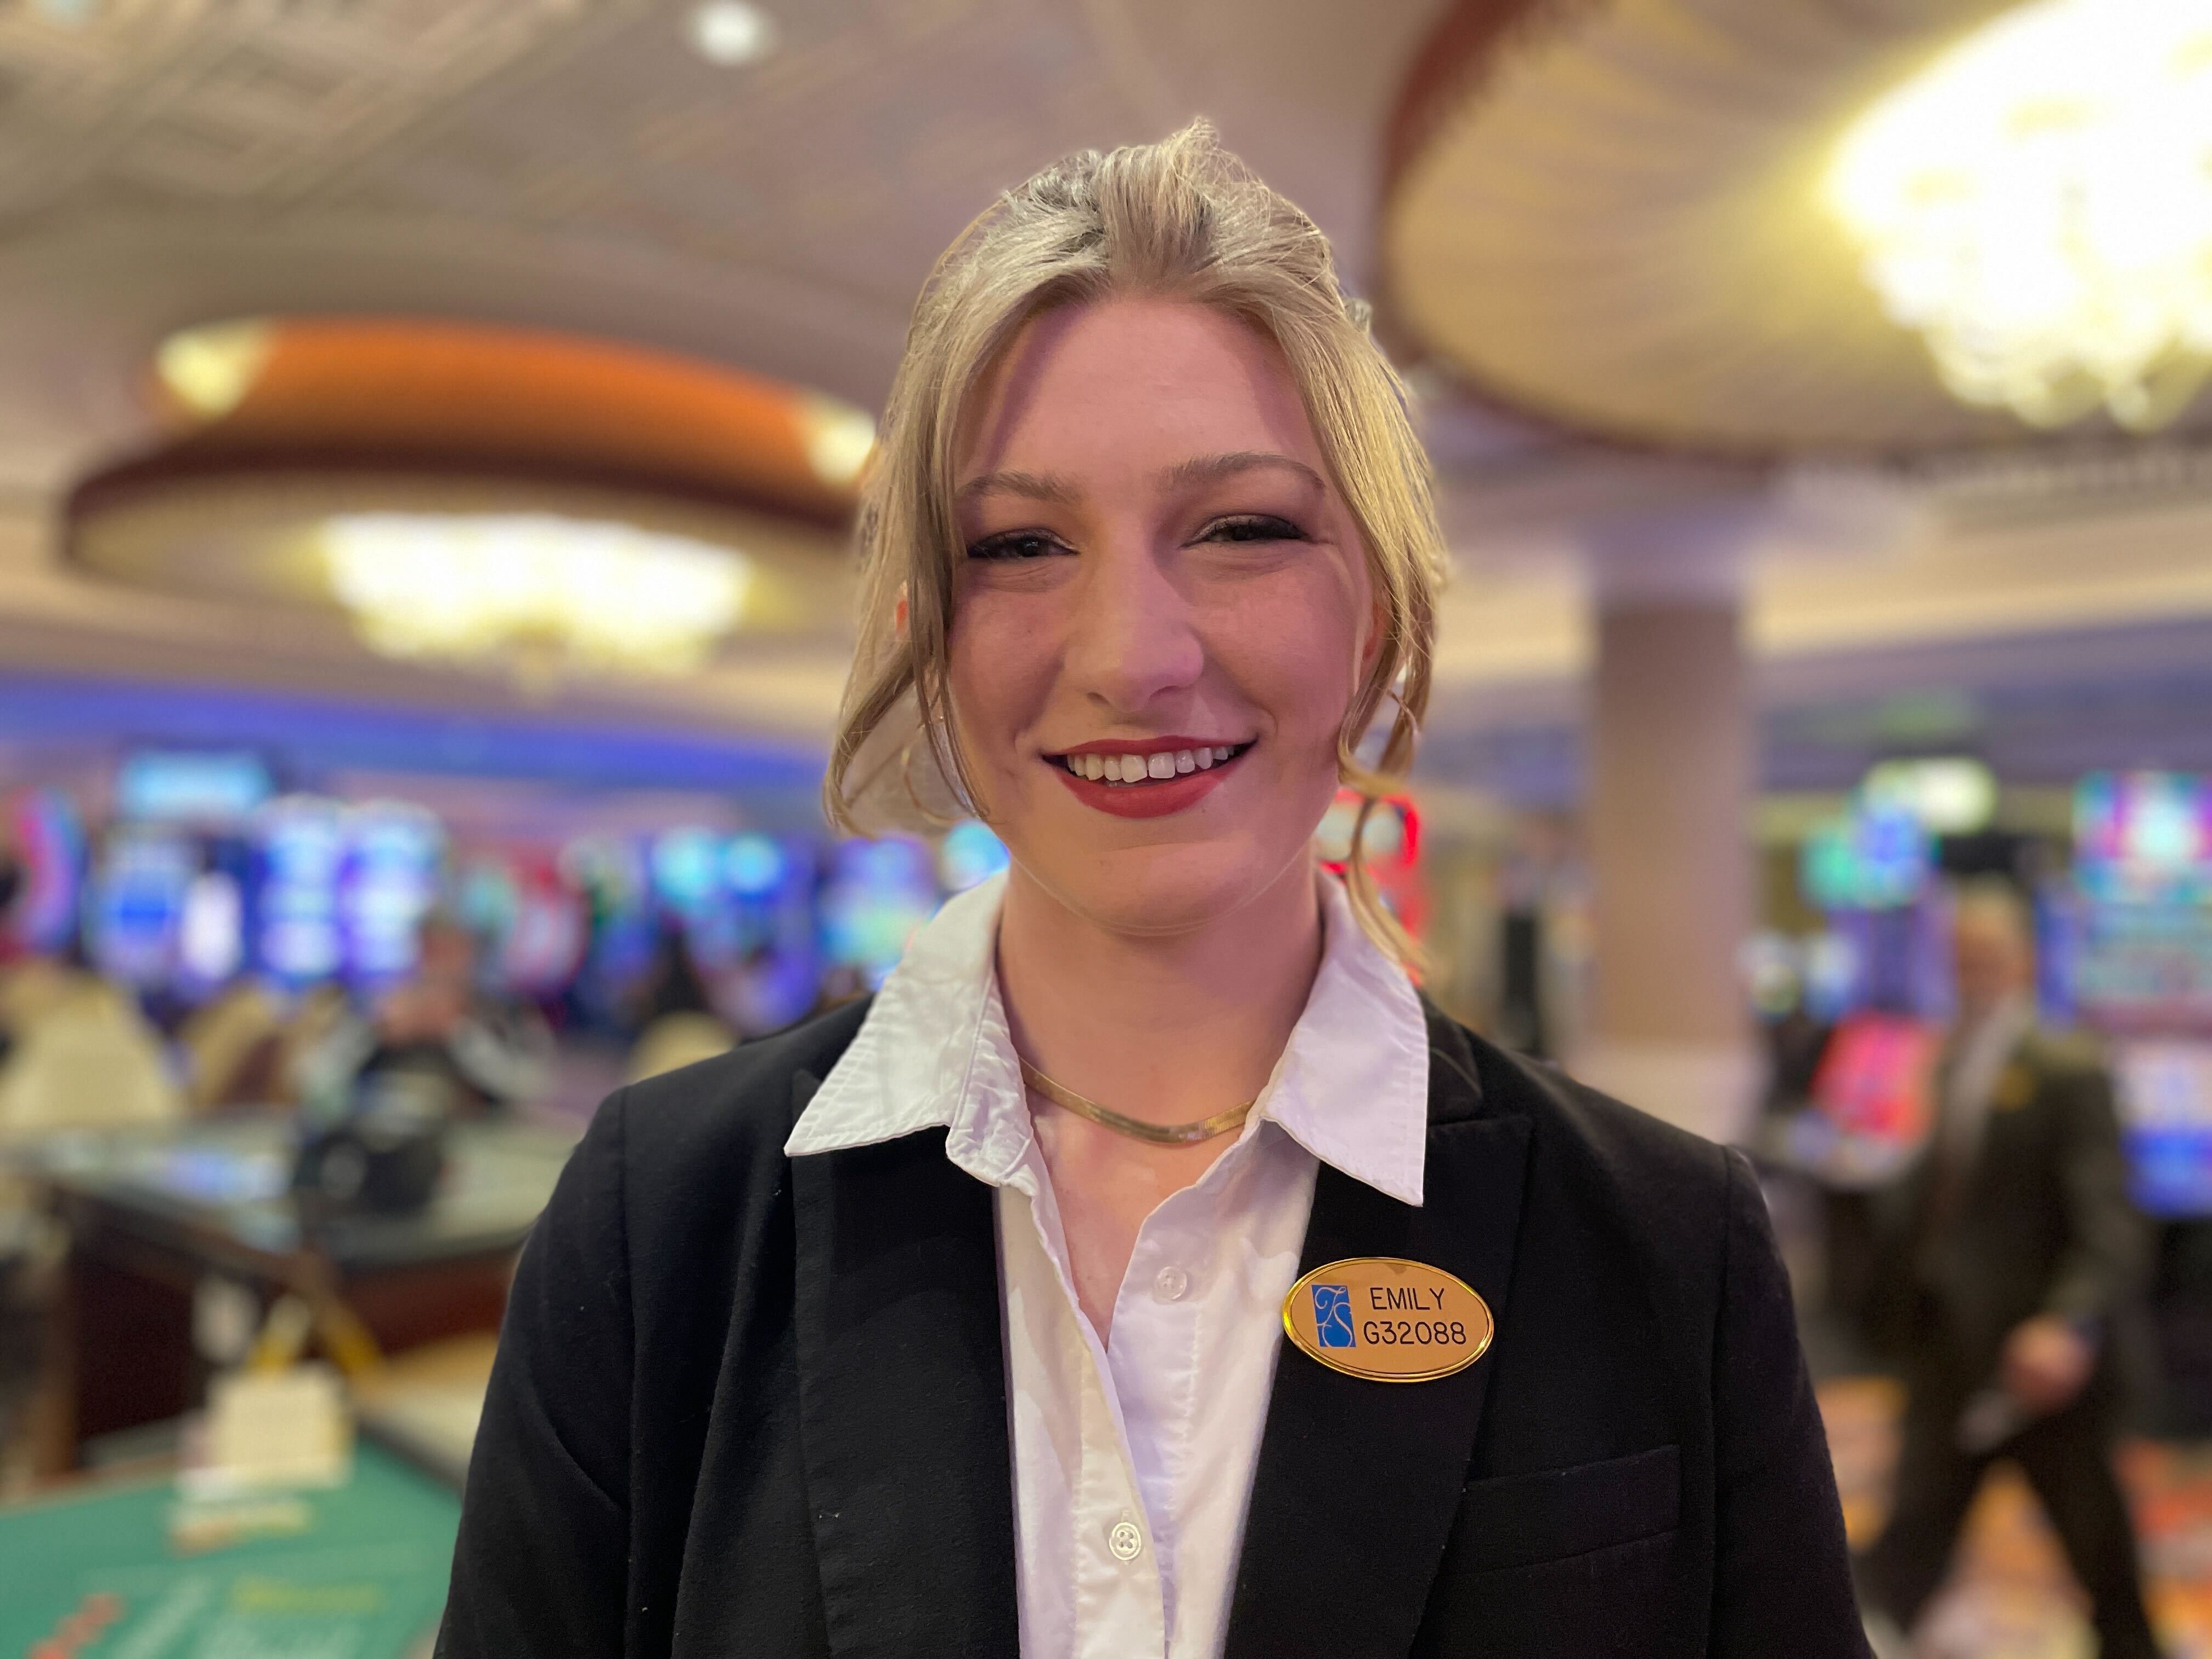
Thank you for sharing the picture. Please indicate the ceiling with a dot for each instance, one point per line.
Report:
(573, 164)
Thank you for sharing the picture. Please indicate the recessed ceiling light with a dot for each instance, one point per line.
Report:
(209, 370)
(731, 33)
(600, 594)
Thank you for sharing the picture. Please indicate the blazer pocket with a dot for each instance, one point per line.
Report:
(1519, 1520)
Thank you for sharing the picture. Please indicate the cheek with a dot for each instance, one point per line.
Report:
(999, 664)
(1294, 655)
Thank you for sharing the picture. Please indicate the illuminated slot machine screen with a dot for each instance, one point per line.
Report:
(49, 838)
(212, 931)
(298, 938)
(610, 874)
(770, 882)
(877, 893)
(1871, 1098)
(730, 893)
(535, 924)
(192, 809)
(2166, 1122)
(221, 787)
(2143, 952)
(745, 904)
(135, 904)
(394, 854)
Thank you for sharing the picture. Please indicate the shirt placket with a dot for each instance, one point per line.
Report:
(1154, 1359)
(1119, 1601)
(1121, 1606)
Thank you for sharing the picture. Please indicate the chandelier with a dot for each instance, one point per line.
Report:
(2038, 204)
(543, 590)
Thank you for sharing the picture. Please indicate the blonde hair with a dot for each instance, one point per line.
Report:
(1181, 219)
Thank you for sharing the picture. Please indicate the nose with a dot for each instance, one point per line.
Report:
(1132, 639)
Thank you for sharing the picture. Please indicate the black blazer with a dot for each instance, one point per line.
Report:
(2040, 1223)
(749, 1405)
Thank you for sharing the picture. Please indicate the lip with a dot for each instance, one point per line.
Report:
(1145, 800)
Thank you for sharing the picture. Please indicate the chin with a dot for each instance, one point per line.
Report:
(1174, 888)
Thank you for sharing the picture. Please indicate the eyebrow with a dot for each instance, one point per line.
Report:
(1211, 469)
(1199, 470)
(1032, 486)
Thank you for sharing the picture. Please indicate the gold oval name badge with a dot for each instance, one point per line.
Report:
(1388, 1319)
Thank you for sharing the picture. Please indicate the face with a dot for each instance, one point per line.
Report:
(1160, 617)
(446, 954)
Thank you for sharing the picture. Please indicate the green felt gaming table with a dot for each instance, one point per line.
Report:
(93, 1573)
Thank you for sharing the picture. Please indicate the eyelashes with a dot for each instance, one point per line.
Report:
(1017, 546)
(1253, 527)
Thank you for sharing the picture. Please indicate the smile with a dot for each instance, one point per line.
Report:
(1137, 766)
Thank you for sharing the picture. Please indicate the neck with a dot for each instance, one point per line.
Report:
(1979, 1012)
(1168, 1028)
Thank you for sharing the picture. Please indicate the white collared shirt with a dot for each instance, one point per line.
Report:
(1132, 1466)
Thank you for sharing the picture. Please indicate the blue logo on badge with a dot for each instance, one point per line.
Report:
(1333, 1316)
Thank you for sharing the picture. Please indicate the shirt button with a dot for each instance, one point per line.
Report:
(1125, 1540)
(1171, 1284)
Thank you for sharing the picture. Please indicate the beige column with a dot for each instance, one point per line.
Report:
(1667, 805)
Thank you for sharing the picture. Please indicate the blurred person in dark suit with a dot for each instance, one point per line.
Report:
(2002, 1257)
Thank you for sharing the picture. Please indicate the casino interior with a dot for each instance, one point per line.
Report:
(429, 436)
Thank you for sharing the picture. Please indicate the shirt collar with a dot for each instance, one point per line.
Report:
(2002, 1025)
(1351, 1086)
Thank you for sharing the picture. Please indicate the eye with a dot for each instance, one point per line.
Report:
(1016, 545)
(1252, 527)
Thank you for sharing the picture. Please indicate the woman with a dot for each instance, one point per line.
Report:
(954, 1322)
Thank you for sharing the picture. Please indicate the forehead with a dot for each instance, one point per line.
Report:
(1104, 384)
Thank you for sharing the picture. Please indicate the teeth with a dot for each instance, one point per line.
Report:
(1136, 768)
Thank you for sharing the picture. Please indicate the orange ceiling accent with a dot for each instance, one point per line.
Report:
(388, 391)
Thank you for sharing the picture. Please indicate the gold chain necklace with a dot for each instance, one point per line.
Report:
(1159, 1134)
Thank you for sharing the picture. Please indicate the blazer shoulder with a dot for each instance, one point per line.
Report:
(2062, 1054)
(1660, 1183)
(692, 1121)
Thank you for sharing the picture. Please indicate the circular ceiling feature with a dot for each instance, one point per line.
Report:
(1642, 220)
(518, 402)
(538, 580)
(545, 504)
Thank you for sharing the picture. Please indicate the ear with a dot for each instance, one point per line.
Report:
(898, 614)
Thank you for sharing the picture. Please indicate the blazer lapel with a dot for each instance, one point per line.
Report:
(902, 1401)
(1357, 1481)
